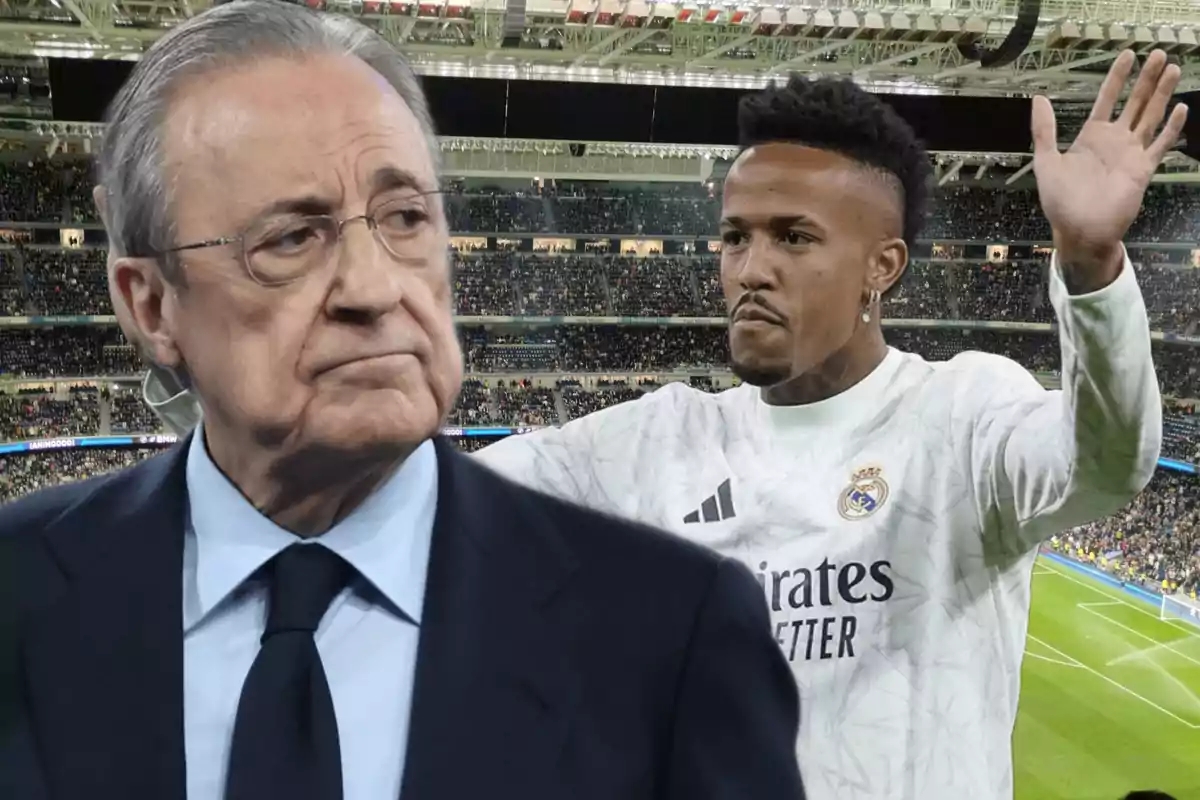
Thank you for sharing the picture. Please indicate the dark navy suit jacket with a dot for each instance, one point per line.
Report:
(563, 655)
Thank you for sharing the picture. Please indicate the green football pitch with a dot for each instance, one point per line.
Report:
(1110, 695)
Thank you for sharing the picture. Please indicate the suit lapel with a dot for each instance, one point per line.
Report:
(104, 665)
(495, 689)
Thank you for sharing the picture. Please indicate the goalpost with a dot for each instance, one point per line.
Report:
(1179, 607)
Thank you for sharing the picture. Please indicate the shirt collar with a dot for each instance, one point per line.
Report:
(849, 407)
(387, 539)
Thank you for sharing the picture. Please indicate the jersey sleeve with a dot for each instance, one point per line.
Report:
(592, 460)
(1044, 461)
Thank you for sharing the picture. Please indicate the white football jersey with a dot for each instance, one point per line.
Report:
(893, 528)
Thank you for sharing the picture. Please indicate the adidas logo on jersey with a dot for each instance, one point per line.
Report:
(716, 507)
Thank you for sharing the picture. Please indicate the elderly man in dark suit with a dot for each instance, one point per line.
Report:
(313, 597)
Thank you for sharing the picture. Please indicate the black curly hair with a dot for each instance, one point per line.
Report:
(837, 115)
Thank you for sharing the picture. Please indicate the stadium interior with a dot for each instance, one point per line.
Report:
(586, 274)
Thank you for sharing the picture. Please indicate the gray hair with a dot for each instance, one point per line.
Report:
(130, 170)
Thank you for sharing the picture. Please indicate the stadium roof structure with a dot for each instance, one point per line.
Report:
(918, 46)
(478, 157)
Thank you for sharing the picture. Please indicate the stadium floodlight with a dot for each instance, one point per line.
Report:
(1180, 607)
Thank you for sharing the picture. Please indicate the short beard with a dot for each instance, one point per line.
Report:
(758, 376)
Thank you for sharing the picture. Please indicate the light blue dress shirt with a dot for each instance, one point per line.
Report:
(367, 639)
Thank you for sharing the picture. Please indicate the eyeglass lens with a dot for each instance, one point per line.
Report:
(284, 248)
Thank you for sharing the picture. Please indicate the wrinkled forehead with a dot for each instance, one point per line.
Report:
(324, 126)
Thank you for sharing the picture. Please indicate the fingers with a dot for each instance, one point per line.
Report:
(1110, 90)
(1152, 115)
(1170, 134)
(1044, 127)
(1143, 90)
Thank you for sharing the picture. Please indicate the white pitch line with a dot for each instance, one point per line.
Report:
(1120, 686)
(1051, 660)
(1157, 644)
(1123, 602)
(1101, 605)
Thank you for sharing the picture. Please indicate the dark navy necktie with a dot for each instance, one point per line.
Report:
(285, 737)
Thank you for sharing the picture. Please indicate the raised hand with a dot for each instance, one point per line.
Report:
(1092, 192)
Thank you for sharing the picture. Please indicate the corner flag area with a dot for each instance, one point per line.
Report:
(1110, 694)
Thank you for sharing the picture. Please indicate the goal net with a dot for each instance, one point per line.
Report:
(1179, 607)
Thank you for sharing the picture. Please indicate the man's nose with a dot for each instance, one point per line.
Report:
(756, 270)
(368, 281)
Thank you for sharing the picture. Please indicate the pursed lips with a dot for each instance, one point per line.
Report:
(752, 312)
(362, 359)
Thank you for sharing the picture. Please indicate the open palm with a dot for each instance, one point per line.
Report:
(1092, 192)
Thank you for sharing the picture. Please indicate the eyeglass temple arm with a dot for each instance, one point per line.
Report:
(201, 245)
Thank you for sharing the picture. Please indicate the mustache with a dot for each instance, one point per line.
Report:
(758, 300)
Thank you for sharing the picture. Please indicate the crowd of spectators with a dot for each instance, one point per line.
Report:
(12, 287)
(495, 211)
(567, 285)
(594, 211)
(676, 212)
(957, 213)
(497, 283)
(469, 444)
(1003, 292)
(21, 474)
(78, 181)
(518, 403)
(982, 213)
(1172, 297)
(128, 413)
(483, 285)
(91, 351)
(580, 402)
(473, 406)
(66, 351)
(1178, 371)
(710, 295)
(63, 282)
(26, 416)
(658, 287)
(1154, 541)
(614, 348)
(923, 293)
(1181, 432)
(609, 347)
(38, 413)
(60, 190)
(1037, 352)
(37, 191)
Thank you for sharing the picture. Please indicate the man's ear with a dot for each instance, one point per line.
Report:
(120, 306)
(144, 306)
(888, 264)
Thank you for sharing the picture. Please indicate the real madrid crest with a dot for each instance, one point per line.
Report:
(865, 495)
